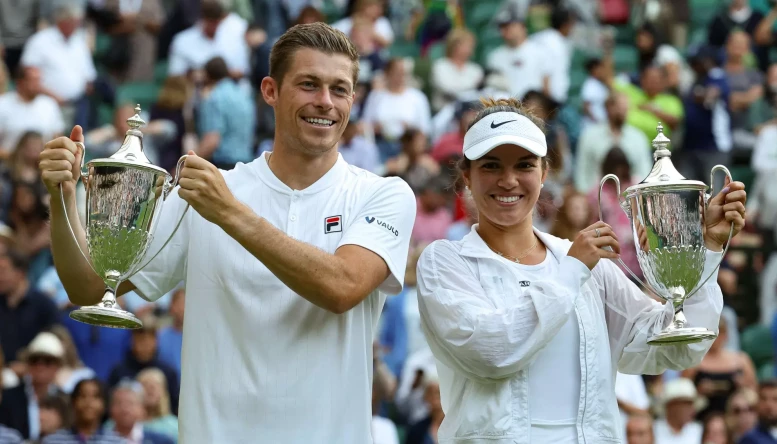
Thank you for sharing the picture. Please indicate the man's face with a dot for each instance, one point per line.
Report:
(313, 102)
(639, 431)
(126, 408)
(209, 27)
(682, 409)
(767, 406)
(652, 81)
(43, 368)
(618, 109)
(144, 345)
(513, 32)
(31, 85)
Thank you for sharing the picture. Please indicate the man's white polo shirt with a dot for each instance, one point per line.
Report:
(260, 363)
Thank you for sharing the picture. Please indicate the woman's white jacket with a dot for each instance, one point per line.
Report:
(485, 327)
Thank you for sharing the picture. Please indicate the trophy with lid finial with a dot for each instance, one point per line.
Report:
(124, 198)
(667, 214)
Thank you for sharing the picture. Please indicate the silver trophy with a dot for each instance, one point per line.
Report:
(667, 214)
(122, 210)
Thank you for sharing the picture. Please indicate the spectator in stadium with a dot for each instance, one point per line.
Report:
(156, 401)
(707, 119)
(595, 91)
(520, 63)
(425, 431)
(54, 412)
(106, 140)
(597, 140)
(357, 150)
(433, 215)
(649, 103)
(369, 11)
(28, 217)
(174, 104)
(767, 415)
(127, 414)
(413, 163)
(715, 430)
(450, 144)
(721, 373)
(455, 73)
(226, 119)
(573, 216)
(639, 429)
(18, 22)
(461, 287)
(144, 354)
(738, 14)
(23, 162)
(395, 108)
(679, 404)
(62, 54)
(43, 359)
(218, 33)
(741, 414)
(747, 87)
(71, 369)
(24, 311)
(557, 52)
(27, 109)
(88, 404)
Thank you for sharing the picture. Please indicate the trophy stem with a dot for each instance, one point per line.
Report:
(677, 333)
(107, 313)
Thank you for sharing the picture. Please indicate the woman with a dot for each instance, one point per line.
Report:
(530, 329)
(455, 73)
(716, 430)
(88, 402)
(741, 416)
(157, 403)
(573, 216)
(721, 373)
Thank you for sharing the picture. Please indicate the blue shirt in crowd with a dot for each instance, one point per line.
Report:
(229, 110)
(708, 126)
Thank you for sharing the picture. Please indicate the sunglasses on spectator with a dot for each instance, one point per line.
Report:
(740, 410)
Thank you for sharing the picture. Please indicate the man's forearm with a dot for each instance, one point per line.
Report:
(81, 283)
(314, 274)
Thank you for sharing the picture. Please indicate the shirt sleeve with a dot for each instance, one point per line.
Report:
(468, 332)
(383, 225)
(168, 268)
(211, 119)
(177, 63)
(633, 317)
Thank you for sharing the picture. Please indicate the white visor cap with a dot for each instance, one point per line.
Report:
(504, 128)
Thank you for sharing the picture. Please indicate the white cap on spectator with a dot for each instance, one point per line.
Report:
(682, 389)
(46, 343)
(504, 128)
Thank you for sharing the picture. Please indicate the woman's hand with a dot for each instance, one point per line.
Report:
(589, 245)
(727, 208)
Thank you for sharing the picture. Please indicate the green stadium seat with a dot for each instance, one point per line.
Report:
(756, 341)
(765, 372)
(160, 72)
(625, 58)
(480, 13)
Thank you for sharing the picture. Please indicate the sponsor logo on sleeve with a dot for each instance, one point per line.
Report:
(383, 224)
(333, 224)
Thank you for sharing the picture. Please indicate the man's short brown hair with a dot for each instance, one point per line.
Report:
(318, 36)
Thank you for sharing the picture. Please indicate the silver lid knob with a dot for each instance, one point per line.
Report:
(136, 121)
(661, 143)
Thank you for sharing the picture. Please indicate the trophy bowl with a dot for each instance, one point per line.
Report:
(124, 197)
(667, 215)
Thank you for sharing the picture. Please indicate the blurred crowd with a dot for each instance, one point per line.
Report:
(602, 74)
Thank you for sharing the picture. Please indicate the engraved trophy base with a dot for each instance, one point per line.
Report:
(103, 315)
(679, 336)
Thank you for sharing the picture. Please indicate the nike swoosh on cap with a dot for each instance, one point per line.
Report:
(497, 125)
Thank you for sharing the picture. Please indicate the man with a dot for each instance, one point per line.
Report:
(286, 260)
(681, 403)
(26, 109)
(127, 413)
(597, 139)
(763, 433)
(639, 429)
(7, 434)
(226, 119)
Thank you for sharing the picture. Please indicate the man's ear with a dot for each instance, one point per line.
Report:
(270, 90)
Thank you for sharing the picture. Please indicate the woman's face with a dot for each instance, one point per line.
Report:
(25, 199)
(88, 405)
(31, 150)
(716, 432)
(645, 41)
(152, 391)
(417, 145)
(464, 49)
(742, 413)
(505, 184)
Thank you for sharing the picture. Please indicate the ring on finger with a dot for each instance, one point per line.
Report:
(598, 233)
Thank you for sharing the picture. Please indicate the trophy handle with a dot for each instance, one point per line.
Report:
(85, 178)
(177, 177)
(707, 198)
(623, 204)
(167, 192)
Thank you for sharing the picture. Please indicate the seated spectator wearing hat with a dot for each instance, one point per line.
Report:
(144, 354)
(764, 432)
(680, 402)
(127, 413)
(21, 409)
(7, 434)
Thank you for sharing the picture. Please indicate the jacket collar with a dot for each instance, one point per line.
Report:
(472, 245)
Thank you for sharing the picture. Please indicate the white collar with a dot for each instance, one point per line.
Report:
(333, 176)
(472, 245)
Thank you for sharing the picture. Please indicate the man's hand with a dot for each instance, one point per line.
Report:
(203, 187)
(727, 208)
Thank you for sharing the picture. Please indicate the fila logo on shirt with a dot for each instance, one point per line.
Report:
(383, 224)
(333, 224)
